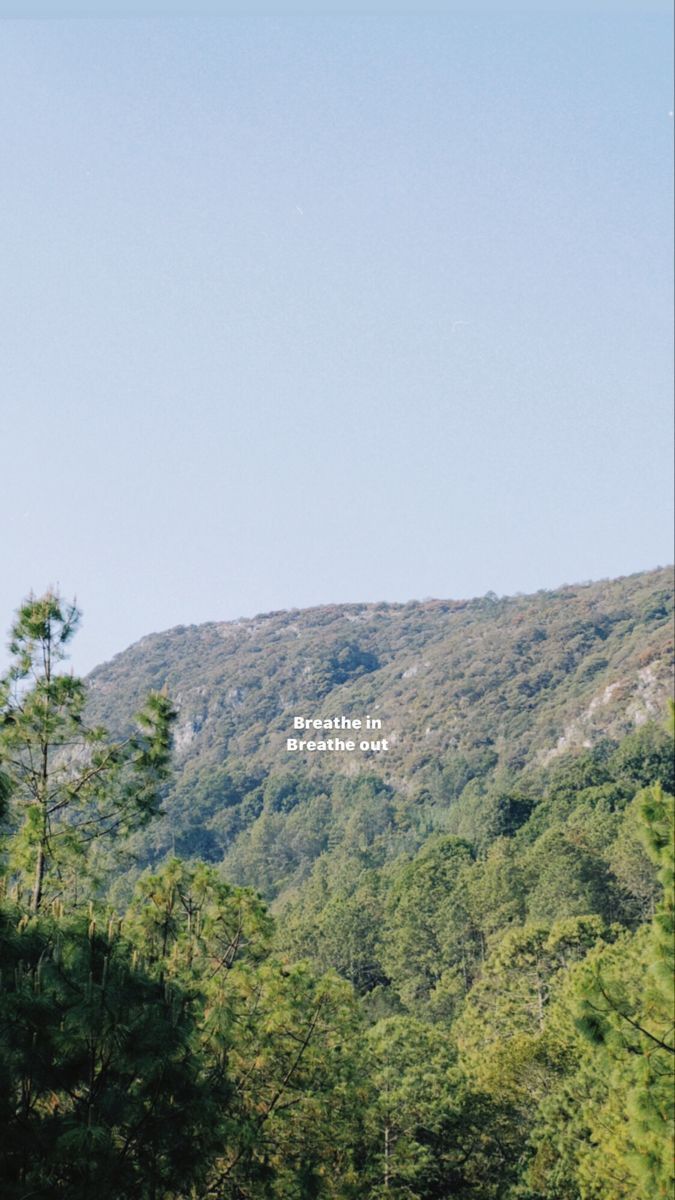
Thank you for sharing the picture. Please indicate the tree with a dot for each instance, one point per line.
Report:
(277, 1045)
(604, 1129)
(427, 932)
(100, 1090)
(431, 1136)
(69, 784)
(626, 1003)
(338, 922)
(501, 1031)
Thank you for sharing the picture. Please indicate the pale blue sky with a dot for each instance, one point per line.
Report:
(299, 310)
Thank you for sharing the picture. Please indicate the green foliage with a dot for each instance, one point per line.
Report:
(427, 935)
(632, 867)
(345, 661)
(646, 757)
(68, 783)
(477, 697)
(430, 1136)
(605, 1129)
(626, 1009)
(275, 1042)
(172, 1050)
(464, 984)
(100, 1093)
(340, 926)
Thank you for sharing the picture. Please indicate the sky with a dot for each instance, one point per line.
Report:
(300, 310)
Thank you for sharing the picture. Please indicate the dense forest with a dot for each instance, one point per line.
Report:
(441, 972)
(475, 697)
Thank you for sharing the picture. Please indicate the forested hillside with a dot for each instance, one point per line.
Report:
(440, 971)
(472, 697)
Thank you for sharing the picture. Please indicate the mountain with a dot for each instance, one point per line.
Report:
(462, 982)
(468, 693)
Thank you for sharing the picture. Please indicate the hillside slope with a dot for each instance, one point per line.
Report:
(480, 689)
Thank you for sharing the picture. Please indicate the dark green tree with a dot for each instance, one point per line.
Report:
(431, 1136)
(626, 1003)
(69, 783)
(427, 932)
(277, 1045)
(101, 1093)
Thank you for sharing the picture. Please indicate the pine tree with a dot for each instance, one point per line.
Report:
(69, 783)
(626, 1010)
(100, 1092)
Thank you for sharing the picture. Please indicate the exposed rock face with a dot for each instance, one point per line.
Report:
(471, 696)
(530, 676)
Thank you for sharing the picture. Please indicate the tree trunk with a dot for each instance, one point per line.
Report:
(39, 878)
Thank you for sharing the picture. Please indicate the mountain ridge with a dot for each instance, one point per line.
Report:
(467, 691)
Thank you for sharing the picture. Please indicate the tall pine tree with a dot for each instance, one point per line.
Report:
(69, 783)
